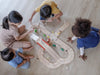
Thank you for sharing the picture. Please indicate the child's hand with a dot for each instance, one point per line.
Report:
(50, 20)
(84, 57)
(30, 19)
(31, 31)
(69, 39)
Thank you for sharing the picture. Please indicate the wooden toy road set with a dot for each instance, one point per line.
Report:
(46, 47)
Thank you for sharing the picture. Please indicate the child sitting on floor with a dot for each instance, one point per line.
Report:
(48, 8)
(15, 58)
(11, 35)
(87, 36)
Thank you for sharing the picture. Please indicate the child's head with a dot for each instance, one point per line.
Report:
(45, 11)
(14, 17)
(7, 54)
(81, 28)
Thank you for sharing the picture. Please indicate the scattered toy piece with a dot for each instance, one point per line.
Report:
(59, 32)
(48, 40)
(54, 45)
(35, 30)
(50, 43)
(62, 49)
(48, 36)
(44, 35)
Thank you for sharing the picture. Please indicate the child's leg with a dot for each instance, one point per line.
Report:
(21, 44)
(28, 49)
(25, 66)
(29, 57)
(21, 29)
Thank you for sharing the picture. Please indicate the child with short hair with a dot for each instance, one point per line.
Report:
(48, 8)
(16, 58)
(87, 36)
(11, 34)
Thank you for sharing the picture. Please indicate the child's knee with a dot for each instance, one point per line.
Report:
(29, 44)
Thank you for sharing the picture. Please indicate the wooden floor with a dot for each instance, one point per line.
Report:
(71, 9)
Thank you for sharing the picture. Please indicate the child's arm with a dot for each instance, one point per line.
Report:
(95, 29)
(23, 35)
(25, 57)
(20, 54)
(74, 38)
(24, 61)
(34, 12)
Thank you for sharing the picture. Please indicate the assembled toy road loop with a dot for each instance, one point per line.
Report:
(53, 36)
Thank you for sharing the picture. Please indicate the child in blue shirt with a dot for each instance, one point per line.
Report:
(16, 58)
(87, 36)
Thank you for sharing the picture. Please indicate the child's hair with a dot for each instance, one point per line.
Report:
(81, 28)
(45, 11)
(5, 24)
(15, 17)
(7, 54)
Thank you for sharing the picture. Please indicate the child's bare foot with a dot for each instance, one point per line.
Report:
(84, 57)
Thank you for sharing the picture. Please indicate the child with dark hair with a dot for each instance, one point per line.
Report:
(47, 9)
(87, 36)
(16, 58)
(11, 34)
